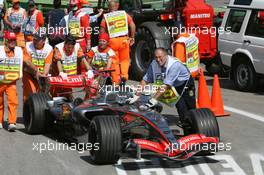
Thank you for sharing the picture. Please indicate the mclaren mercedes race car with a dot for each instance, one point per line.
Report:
(120, 128)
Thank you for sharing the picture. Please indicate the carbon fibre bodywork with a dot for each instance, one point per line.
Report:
(144, 129)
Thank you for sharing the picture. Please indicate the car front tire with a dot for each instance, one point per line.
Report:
(105, 130)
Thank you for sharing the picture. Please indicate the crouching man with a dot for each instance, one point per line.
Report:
(175, 81)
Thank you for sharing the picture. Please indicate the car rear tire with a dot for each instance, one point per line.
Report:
(142, 53)
(34, 114)
(202, 121)
(106, 131)
(244, 76)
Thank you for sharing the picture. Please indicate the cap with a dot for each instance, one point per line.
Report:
(14, 1)
(10, 35)
(39, 36)
(104, 36)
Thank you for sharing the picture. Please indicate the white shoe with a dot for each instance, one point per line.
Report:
(1, 126)
(11, 127)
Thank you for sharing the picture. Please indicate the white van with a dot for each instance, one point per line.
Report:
(242, 45)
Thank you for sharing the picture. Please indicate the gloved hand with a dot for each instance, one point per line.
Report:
(90, 74)
(133, 99)
(63, 75)
(151, 103)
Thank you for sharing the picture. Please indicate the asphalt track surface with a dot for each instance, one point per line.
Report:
(241, 133)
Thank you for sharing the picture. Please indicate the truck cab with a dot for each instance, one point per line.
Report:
(241, 46)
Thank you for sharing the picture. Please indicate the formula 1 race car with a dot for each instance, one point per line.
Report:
(122, 129)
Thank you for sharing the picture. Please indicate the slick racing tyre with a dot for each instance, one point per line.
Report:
(105, 131)
(202, 121)
(34, 113)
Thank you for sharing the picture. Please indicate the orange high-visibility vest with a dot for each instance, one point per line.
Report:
(69, 63)
(74, 25)
(185, 48)
(117, 23)
(10, 67)
(39, 56)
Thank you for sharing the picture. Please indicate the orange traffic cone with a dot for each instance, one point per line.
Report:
(203, 93)
(217, 101)
(197, 104)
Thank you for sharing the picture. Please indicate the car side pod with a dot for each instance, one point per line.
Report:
(188, 146)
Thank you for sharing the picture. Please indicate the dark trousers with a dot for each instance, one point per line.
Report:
(187, 100)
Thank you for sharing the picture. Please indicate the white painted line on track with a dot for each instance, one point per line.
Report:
(120, 168)
(225, 165)
(245, 113)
